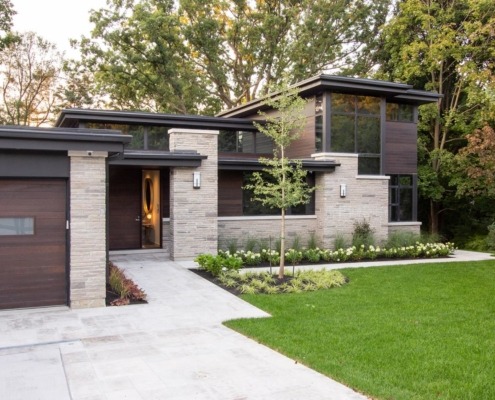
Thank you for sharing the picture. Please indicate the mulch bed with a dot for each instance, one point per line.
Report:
(111, 296)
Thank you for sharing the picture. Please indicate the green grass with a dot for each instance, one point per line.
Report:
(410, 332)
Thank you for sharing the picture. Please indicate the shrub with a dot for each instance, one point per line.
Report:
(312, 255)
(400, 239)
(490, 238)
(363, 234)
(251, 244)
(123, 287)
(312, 241)
(216, 264)
(339, 242)
(293, 256)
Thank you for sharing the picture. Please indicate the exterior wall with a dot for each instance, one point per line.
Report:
(241, 229)
(193, 212)
(366, 199)
(88, 234)
(412, 227)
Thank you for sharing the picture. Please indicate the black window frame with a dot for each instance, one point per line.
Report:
(397, 187)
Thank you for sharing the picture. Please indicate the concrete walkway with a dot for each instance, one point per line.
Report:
(175, 347)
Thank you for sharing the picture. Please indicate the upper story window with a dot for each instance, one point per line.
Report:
(400, 112)
(144, 137)
(319, 123)
(355, 126)
(402, 198)
(244, 142)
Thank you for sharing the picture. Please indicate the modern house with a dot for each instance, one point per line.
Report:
(104, 181)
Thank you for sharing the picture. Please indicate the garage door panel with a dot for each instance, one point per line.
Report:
(33, 266)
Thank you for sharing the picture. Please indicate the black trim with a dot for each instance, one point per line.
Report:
(73, 117)
(159, 159)
(250, 164)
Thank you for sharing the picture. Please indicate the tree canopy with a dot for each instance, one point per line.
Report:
(191, 56)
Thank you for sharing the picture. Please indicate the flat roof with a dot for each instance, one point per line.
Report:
(72, 117)
(61, 139)
(392, 91)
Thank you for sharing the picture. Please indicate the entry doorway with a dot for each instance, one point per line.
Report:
(151, 218)
(134, 208)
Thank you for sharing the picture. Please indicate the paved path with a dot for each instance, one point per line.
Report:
(175, 347)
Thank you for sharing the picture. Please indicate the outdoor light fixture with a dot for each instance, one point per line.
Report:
(343, 190)
(196, 180)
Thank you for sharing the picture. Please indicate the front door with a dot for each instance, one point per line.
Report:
(124, 198)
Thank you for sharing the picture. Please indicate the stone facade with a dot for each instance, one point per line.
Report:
(410, 227)
(194, 212)
(366, 199)
(239, 230)
(88, 246)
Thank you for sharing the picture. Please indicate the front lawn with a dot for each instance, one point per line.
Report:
(405, 332)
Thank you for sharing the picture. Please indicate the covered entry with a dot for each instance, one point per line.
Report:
(33, 242)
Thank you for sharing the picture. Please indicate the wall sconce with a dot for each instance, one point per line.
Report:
(196, 180)
(343, 190)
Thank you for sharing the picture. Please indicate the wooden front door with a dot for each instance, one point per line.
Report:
(124, 208)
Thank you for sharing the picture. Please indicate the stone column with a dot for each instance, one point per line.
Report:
(366, 199)
(194, 212)
(88, 246)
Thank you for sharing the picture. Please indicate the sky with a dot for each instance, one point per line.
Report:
(57, 21)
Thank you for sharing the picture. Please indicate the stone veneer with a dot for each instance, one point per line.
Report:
(88, 246)
(241, 229)
(366, 200)
(193, 212)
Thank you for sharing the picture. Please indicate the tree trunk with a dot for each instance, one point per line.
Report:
(434, 224)
(281, 270)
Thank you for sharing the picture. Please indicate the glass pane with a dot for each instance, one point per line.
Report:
(157, 138)
(394, 180)
(137, 133)
(318, 104)
(368, 135)
(227, 141)
(369, 165)
(405, 180)
(392, 112)
(394, 198)
(11, 226)
(406, 113)
(264, 144)
(343, 103)
(368, 105)
(319, 133)
(342, 134)
(405, 205)
(394, 214)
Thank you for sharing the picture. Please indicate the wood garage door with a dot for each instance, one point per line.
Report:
(32, 243)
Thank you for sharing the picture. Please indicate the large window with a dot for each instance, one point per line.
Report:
(250, 207)
(143, 137)
(244, 142)
(355, 128)
(402, 198)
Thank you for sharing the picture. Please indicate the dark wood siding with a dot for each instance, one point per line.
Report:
(165, 192)
(229, 193)
(33, 267)
(400, 150)
(124, 208)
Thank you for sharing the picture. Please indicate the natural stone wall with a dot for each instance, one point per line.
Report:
(412, 227)
(88, 247)
(193, 212)
(240, 229)
(366, 200)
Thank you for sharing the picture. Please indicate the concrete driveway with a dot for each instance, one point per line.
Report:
(175, 347)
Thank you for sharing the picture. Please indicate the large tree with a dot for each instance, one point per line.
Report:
(30, 69)
(447, 46)
(7, 12)
(193, 56)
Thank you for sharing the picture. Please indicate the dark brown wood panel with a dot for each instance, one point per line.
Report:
(400, 153)
(124, 201)
(165, 192)
(33, 267)
(304, 146)
(229, 193)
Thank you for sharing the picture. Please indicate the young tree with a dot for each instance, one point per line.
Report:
(30, 69)
(282, 183)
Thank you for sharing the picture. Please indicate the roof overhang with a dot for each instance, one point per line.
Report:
(58, 139)
(253, 164)
(74, 117)
(392, 91)
(159, 159)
